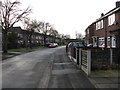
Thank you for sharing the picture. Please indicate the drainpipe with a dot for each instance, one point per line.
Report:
(97, 41)
(110, 41)
(106, 33)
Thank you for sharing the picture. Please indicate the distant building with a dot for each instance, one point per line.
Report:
(105, 31)
(37, 39)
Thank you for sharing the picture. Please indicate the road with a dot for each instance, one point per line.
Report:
(44, 68)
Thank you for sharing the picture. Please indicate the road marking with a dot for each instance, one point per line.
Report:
(62, 63)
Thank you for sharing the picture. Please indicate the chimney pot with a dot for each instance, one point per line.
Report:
(102, 14)
(117, 4)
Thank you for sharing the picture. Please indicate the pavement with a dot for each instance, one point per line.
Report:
(65, 74)
(4, 57)
(105, 82)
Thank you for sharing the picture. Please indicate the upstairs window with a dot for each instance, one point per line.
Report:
(87, 31)
(111, 19)
(99, 25)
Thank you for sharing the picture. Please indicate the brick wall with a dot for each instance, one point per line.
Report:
(101, 59)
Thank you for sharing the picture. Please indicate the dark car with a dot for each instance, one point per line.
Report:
(47, 44)
(76, 44)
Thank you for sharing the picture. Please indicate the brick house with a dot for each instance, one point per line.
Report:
(105, 31)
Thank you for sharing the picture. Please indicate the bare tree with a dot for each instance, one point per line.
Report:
(31, 26)
(11, 14)
(63, 36)
(78, 36)
(44, 29)
(53, 32)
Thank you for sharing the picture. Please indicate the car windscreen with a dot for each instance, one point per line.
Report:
(78, 45)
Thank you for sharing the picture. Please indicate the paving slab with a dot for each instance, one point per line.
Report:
(105, 82)
(65, 74)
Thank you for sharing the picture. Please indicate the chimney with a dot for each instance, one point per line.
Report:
(117, 4)
(102, 14)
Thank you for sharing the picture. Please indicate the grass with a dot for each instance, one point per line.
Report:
(9, 53)
(19, 50)
(105, 73)
(25, 49)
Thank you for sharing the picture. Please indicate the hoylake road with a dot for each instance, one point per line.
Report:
(44, 68)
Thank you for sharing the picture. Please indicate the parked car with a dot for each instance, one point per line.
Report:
(76, 44)
(53, 45)
(56, 44)
(47, 44)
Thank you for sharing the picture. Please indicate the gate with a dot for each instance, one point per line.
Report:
(86, 61)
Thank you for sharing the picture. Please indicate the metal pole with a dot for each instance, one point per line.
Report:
(111, 56)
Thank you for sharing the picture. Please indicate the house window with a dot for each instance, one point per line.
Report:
(111, 19)
(37, 37)
(87, 31)
(99, 25)
(101, 42)
(95, 41)
(20, 35)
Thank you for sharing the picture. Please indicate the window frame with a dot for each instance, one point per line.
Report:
(111, 19)
(99, 25)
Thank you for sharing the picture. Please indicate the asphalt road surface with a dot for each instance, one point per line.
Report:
(44, 68)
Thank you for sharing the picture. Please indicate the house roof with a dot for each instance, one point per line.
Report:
(108, 13)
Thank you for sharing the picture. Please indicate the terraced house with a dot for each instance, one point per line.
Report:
(105, 31)
(37, 39)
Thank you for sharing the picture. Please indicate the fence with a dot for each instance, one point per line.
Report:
(89, 59)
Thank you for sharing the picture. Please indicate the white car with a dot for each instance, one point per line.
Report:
(56, 44)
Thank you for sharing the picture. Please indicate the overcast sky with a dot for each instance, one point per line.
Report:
(68, 16)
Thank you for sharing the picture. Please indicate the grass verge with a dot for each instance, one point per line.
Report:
(25, 49)
(105, 73)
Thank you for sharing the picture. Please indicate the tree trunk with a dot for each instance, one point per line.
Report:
(30, 41)
(5, 41)
(44, 40)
